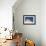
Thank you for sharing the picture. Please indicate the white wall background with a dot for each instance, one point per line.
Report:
(35, 32)
(43, 22)
(28, 7)
(6, 13)
(6, 16)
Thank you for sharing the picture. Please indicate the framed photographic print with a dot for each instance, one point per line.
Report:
(29, 19)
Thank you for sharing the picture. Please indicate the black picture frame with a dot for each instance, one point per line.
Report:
(29, 19)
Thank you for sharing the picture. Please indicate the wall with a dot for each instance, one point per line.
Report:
(6, 18)
(28, 7)
(43, 22)
(6, 13)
